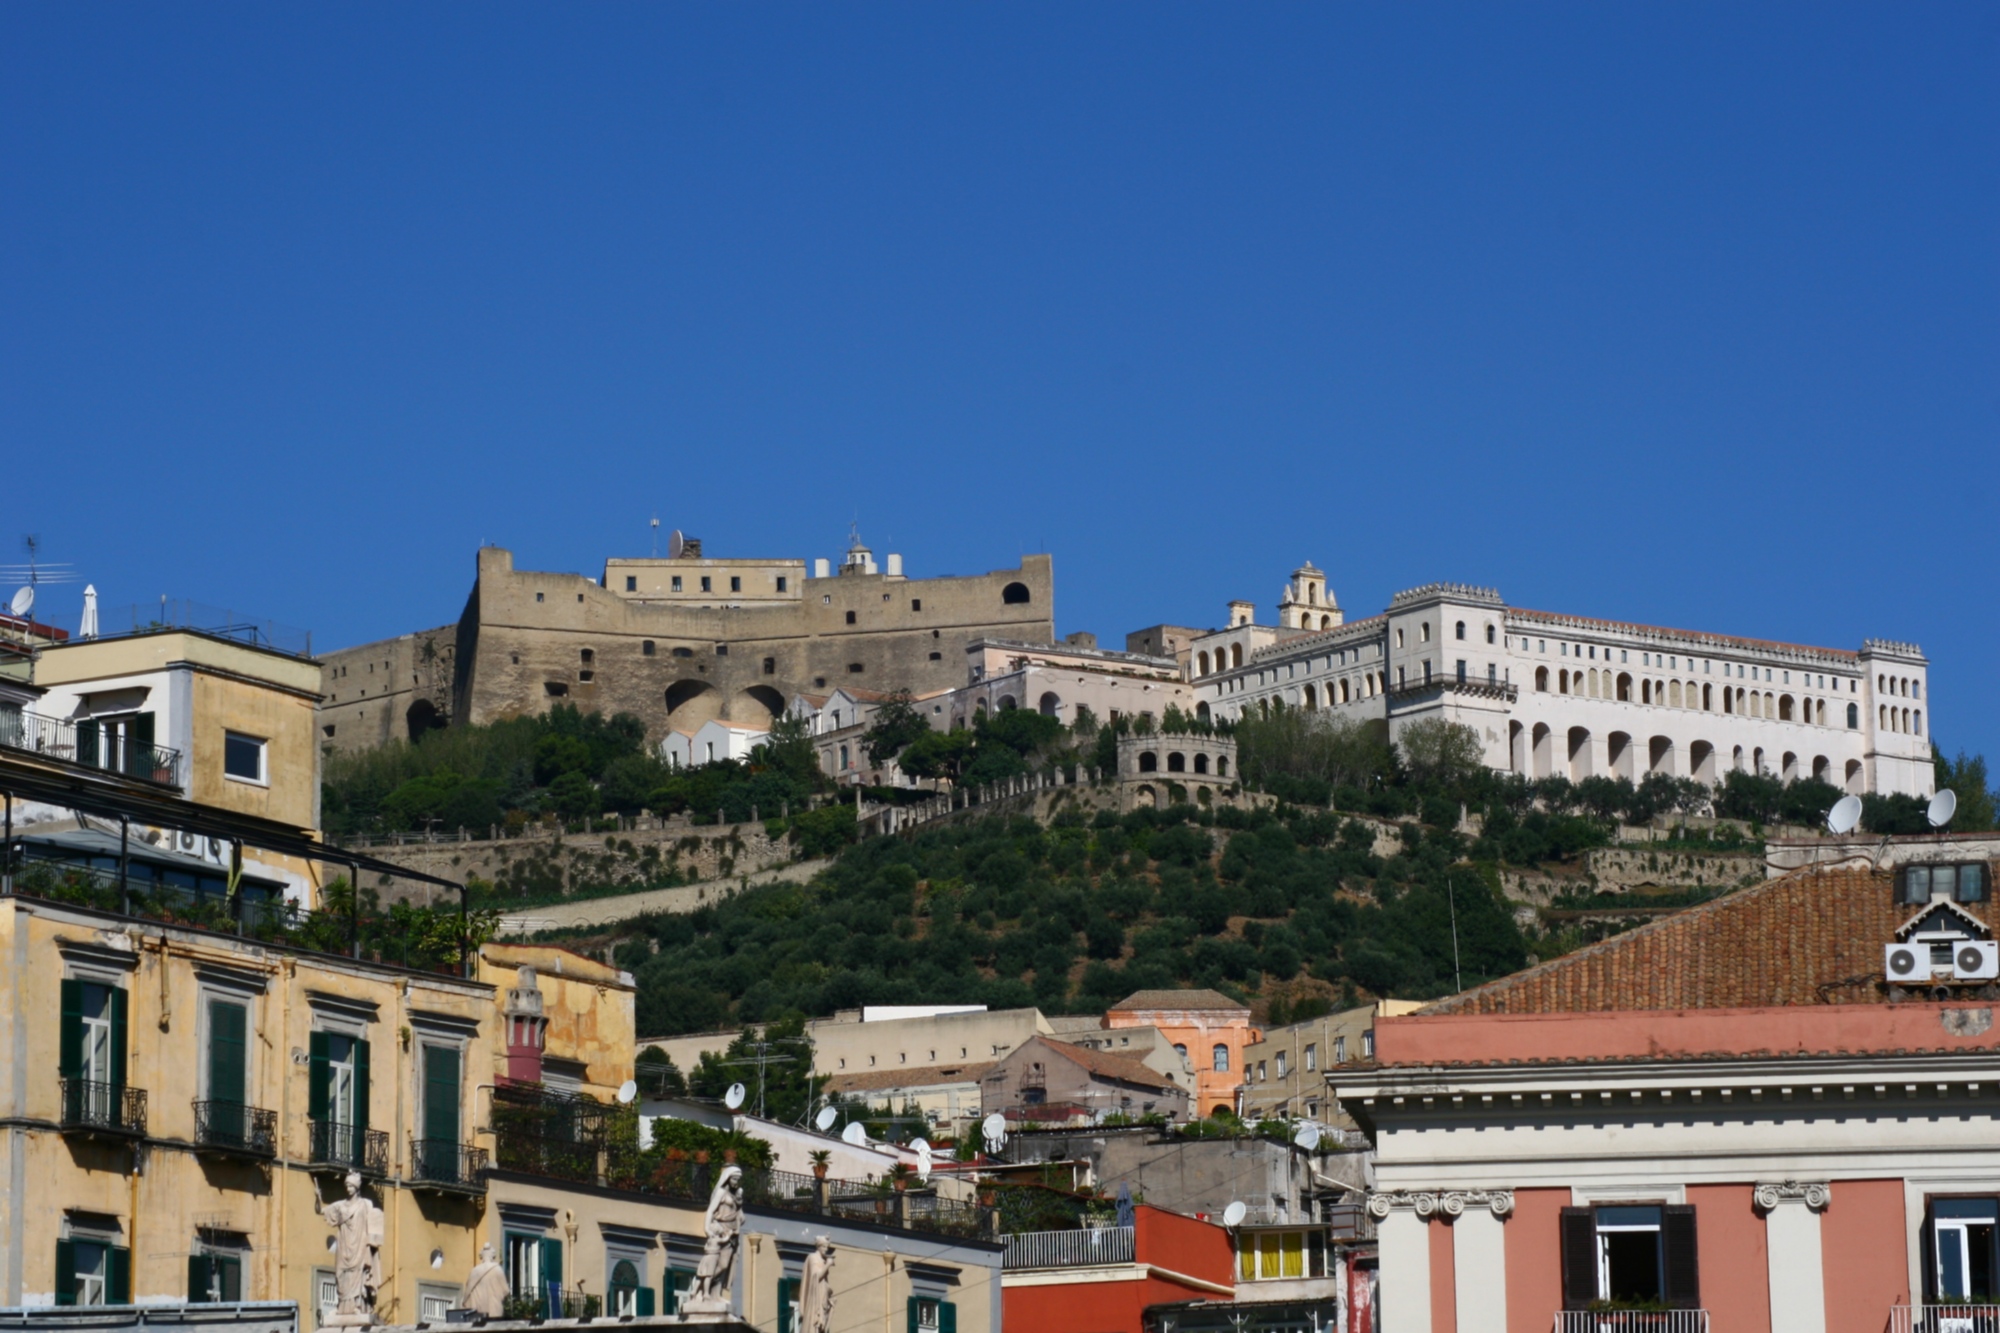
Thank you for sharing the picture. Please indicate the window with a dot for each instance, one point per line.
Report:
(1180, 1049)
(677, 583)
(538, 597)
(1967, 883)
(631, 583)
(1963, 1258)
(215, 1275)
(854, 668)
(770, 666)
(630, 1296)
(1312, 1057)
(735, 583)
(1629, 1253)
(1853, 716)
(227, 1068)
(1424, 632)
(1368, 1044)
(722, 650)
(1399, 638)
(707, 583)
(90, 1270)
(522, 1258)
(850, 617)
(1340, 1050)
(1263, 1072)
(1461, 671)
(1263, 1256)
(243, 757)
(1280, 1062)
(1489, 634)
(783, 583)
(1460, 629)
(1219, 1058)
(337, 1097)
(1015, 594)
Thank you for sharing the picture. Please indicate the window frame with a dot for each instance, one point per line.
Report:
(263, 750)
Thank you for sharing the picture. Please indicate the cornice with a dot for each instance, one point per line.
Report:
(1429, 1203)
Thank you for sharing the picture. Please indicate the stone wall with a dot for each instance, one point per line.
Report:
(545, 860)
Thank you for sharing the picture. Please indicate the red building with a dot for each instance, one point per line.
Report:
(1776, 1113)
(1101, 1281)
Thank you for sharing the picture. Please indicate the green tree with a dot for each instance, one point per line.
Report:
(1966, 777)
(1435, 750)
(790, 1086)
(895, 725)
(940, 754)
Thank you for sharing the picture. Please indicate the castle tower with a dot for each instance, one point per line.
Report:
(1306, 603)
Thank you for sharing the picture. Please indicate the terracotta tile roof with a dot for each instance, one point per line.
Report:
(1177, 999)
(1811, 937)
(1559, 619)
(922, 1076)
(1102, 1064)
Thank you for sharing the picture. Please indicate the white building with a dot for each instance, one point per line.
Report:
(1052, 679)
(711, 741)
(1557, 694)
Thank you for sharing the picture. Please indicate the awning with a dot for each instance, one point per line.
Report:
(27, 776)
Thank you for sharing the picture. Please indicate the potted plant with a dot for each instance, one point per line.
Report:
(821, 1160)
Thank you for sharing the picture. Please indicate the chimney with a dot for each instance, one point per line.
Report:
(822, 568)
(895, 565)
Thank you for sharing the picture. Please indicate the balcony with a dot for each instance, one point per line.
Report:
(97, 1109)
(346, 1148)
(1944, 1319)
(1074, 1249)
(235, 1130)
(1631, 1321)
(56, 738)
(447, 1167)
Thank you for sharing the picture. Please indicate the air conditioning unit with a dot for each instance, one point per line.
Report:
(1907, 962)
(1976, 960)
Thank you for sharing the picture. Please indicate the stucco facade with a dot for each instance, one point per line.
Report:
(1209, 1028)
(1565, 695)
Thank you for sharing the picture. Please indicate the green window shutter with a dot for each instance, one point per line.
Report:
(319, 1081)
(441, 1088)
(66, 1267)
(139, 746)
(200, 1270)
(551, 1277)
(118, 1277)
(913, 1314)
(228, 1051)
(86, 743)
(644, 1297)
(788, 1291)
(947, 1317)
(118, 1021)
(72, 1029)
(360, 1091)
(230, 1269)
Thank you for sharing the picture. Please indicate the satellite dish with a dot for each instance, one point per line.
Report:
(627, 1091)
(1233, 1215)
(734, 1097)
(855, 1134)
(676, 543)
(1943, 805)
(824, 1120)
(994, 1126)
(921, 1147)
(1846, 813)
(24, 601)
(1307, 1137)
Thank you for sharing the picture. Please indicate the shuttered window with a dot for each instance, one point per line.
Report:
(1630, 1254)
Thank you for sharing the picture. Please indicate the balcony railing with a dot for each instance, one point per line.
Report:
(445, 1165)
(56, 738)
(233, 1127)
(1631, 1321)
(350, 1148)
(1072, 1249)
(1944, 1318)
(92, 1106)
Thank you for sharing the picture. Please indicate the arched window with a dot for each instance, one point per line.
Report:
(1222, 766)
(1707, 698)
(1785, 708)
(1220, 1058)
(1148, 762)
(1202, 661)
(1311, 698)
(1489, 634)
(1461, 629)
(1326, 622)
(1424, 632)
(625, 1289)
(1176, 762)
(1015, 594)
(1645, 691)
(1345, 694)
(1853, 716)
(1236, 654)
(1624, 687)
(1542, 679)
(1674, 693)
(1201, 764)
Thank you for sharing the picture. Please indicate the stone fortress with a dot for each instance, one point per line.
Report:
(688, 639)
(679, 641)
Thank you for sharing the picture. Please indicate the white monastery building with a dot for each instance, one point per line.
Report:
(1552, 694)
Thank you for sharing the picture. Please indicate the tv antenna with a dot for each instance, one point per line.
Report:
(761, 1060)
(656, 536)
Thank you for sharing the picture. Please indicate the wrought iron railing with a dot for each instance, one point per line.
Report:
(57, 738)
(1631, 1321)
(104, 1108)
(350, 1147)
(1070, 1249)
(235, 1127)
(448, 1164)
(1944, 1318)
(917, 1209)
(548, 1133)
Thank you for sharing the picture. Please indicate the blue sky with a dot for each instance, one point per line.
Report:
(1683, 314)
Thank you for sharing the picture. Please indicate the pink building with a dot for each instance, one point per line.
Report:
(1729, 1120)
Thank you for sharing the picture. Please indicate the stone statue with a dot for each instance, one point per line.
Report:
(485, 1292)
(816, 1290)
(723, 1227)
(357, 1253)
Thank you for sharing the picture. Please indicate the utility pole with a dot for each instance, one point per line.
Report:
(762, 1059)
